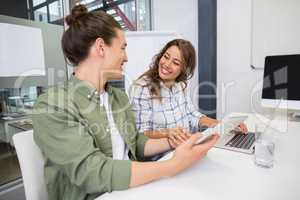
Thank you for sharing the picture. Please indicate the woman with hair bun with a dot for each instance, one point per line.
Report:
(86, 129)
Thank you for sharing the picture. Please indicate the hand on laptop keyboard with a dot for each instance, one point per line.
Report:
(241, 128)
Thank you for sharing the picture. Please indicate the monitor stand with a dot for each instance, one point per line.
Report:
(295, 116)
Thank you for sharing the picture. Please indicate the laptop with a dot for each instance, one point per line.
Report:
(230, 139)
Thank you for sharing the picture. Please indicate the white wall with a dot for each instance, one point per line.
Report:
(234, 76)
(239, 87)
(181, 17)
(276, 29)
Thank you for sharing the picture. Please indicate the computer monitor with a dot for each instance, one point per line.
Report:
(281, 83)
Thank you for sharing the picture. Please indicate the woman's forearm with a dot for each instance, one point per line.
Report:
(165, 139)
(156, 134)
(207, 121)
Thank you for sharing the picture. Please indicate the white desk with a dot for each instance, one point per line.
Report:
(226, 175)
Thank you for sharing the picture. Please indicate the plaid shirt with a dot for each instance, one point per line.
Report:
(175, 109)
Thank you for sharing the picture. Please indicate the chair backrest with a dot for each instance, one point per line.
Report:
(32, 166)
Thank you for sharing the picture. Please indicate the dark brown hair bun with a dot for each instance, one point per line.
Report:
(84, 28)
(77, 12)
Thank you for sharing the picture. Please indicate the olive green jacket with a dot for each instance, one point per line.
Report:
(72, 131)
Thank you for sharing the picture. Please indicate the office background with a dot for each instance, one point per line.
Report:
(239, 86)
(220, 30)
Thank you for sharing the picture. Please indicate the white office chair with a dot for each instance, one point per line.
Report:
(32, 166)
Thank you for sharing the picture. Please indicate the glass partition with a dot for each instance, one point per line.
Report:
(133, 15)
(18, 93)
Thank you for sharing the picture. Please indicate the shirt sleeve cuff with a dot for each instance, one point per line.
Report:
(195, 120)
(141, 142)
(121, 174)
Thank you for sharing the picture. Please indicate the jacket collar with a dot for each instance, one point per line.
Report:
(86, 89)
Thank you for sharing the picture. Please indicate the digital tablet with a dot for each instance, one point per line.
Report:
(224, 127)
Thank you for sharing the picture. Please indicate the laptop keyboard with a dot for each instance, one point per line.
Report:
(243, 141)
